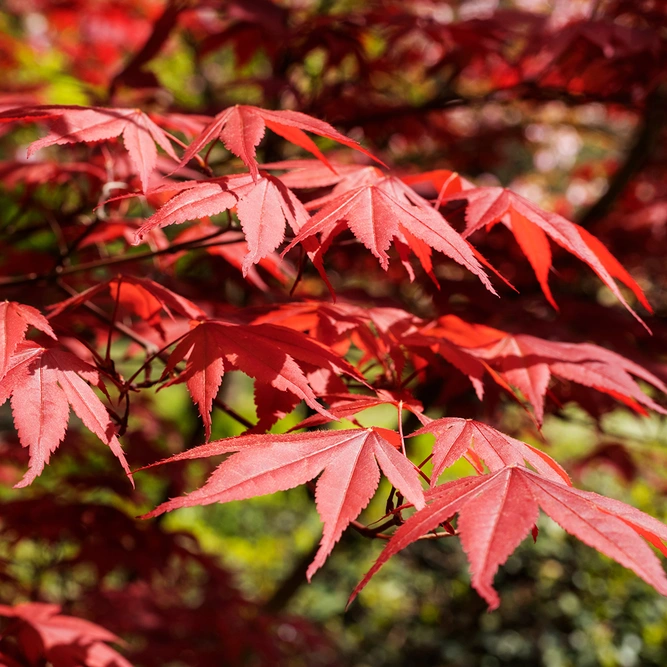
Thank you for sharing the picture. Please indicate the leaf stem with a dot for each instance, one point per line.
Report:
(114, 314)
(399, 406)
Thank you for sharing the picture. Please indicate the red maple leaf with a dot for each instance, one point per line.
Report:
(43, 384)
(35, 173)
(527, 363)
(386, 209)
(45, 635)
(428, 346)
(329, 322)
(456, 437)
(73, 124)
(444, 182)
(273, 355)
(497, 511)
(264, 206)
(377, 332)
(141, 296)
(461, 333)
(531, 226)
(347, 459)
(14, 321)
(595, 56)
(242, 127)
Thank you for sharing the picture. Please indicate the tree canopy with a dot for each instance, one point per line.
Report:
(401, 260)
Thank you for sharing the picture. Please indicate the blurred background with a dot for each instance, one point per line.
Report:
(564, 102)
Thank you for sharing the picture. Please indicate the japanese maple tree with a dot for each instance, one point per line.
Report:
(317, 217)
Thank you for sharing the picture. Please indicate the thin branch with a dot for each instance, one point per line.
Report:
(151, 349)
(369, 532)
(526, 90)
(158, 354)
(114, 314)
(399, 407)
(148, 345)
(90, 228)
(221, 405)
(15, 281)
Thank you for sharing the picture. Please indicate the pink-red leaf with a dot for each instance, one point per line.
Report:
(527, 363)
(72, 124)
(380, 211)
(273, 355)
(529, 224)
(140, 296)
(43, 384)
(497, 511)
(193, 201)
(60, 639)
(347, 459)
(14, 321)
(264, 207)
(242, 127)
(454, 437)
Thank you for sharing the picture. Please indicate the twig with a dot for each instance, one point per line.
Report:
(15, 281)
(161, 31)
(100, 314)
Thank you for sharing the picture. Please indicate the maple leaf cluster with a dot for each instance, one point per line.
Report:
(190, 250)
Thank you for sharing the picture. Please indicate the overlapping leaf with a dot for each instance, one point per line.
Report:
(347, 459)
(463, 360)
(497, 511)
(273, 355)
(386, 210)
(14, 321)
(532, 226)
(378, 332)
(331, 323)
(456, 437)
(264, 206)
(597, 56)
(72, 124)
(527, 363)
(141, 296)
(194, 200)
(43, 384)
(242, 127)
(352, 177)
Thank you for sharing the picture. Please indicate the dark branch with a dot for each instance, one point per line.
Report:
(645, 142)
(133, 73)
